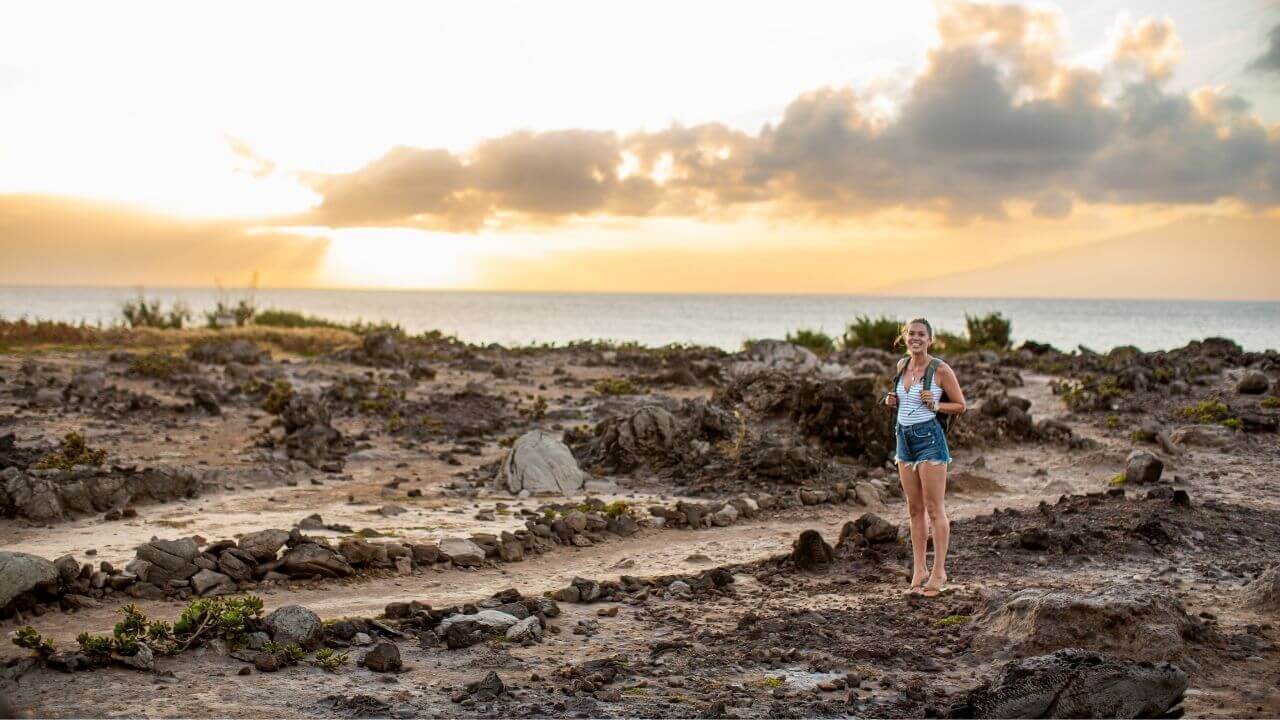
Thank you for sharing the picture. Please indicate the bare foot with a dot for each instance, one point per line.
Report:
(934, 587)
(917, 585)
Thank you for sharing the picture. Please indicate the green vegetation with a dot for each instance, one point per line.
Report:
(141, 312)
(159, 365)
(328, 660)
(1271, 402)
(774, 681)
(617, 386)
(1117, 480)
(816, 340)
(241, 314)
(1212, 411)
(27, 637)
(1234, 423)
(881, 333)
(72, 451)
(990, 331)
(1113, 422)
(953, 620)
(1088, 392)
(278, 397)
(616, 509)
(201, 620)
(1162, 375)
(291, 319)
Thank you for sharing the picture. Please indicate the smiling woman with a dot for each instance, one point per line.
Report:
(396, 258)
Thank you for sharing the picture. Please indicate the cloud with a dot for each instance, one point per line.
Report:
(1269, 60)
(994, 116)
(1150, 44)
(255, 164)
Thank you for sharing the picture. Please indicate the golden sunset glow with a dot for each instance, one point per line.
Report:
(414, 145)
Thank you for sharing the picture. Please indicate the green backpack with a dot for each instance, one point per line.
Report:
(944, 419)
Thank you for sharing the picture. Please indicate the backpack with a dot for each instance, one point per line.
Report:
(944, 419)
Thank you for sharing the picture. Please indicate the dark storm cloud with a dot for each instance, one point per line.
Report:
(993, 118)
(1269, 60)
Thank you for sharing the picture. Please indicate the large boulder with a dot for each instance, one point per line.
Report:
(540, 463)
(264, 544)
(1133, 622)
(309, 559)
(1076, 684)
(1264, 592)
(462, 551)
(1253, 382)
(1142, 468)
(21, 572)
(622, 443)
(170, 560)
(492, 621)
(781, 355)
(294, 624)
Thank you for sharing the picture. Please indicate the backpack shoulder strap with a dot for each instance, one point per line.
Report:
(929, 372)
(902, 367)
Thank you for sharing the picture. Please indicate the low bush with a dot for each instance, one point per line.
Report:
(815, 340)
(72, 451)
(881, 333)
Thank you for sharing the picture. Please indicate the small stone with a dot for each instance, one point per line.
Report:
(384, 657)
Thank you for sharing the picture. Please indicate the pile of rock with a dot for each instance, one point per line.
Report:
(507, 614)
(310, 435)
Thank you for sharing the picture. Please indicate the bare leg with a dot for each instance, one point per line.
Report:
(933, 481)
(919, 533)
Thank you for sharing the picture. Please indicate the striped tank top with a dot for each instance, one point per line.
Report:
(911, 409)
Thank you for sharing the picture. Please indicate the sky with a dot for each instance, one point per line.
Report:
(914, 147)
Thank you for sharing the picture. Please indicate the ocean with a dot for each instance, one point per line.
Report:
(719, 320)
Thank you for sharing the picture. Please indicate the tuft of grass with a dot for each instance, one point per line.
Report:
(1271, 402)
(1117, 480)
(774, 681)
(616, 386)
(72, 451)
(141, 312)
(815, 340)
(1234, 423)
(1206, 411)
(617, 508)
(1113, 422)
(953, 620)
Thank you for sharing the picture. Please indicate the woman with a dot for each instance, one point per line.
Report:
(922, 453)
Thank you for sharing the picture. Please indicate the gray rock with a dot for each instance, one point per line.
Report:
(492, 621)
(1142, 468)
(257, 640)
(529, 628)
(1264, 592)
(1076, 684)
(21, 572)
(144, 659)
(540, 463)
(1202, 435)
(725, 516)
(1253, 382)
(361, 639)
(1133, 622)
(780, 355)
(208, 582)
(310, 559)
(383, 657)
(462, 551)
(295, 624)
(170, 559)
(264, 544)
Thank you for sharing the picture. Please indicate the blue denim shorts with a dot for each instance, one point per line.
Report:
(922, 442)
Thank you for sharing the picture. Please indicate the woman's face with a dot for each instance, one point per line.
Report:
(918, 339)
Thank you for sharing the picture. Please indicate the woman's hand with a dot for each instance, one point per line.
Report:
(926, 397)
(891, 400)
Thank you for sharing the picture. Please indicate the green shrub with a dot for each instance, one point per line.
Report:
(816, 340)
(881, 333)
(1271, 402)
(159, 365)
(1206, 411)
(73, 451)
(278, 397)
(27, 637)
(328, 660)
(952, 620)
(989, 331)
(242, 312)
(951, 342)
(1234, 423)
(616, 386)
(291, 319)
(1113, 422)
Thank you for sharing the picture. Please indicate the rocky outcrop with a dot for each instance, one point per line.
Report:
(1076, 684)
(1263, 594)
(310, 435)
(1133, 622)
(539, 463)
(51, 495)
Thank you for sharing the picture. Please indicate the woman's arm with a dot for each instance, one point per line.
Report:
(955, 403)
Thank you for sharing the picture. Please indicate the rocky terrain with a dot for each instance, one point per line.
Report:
(415, 527)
